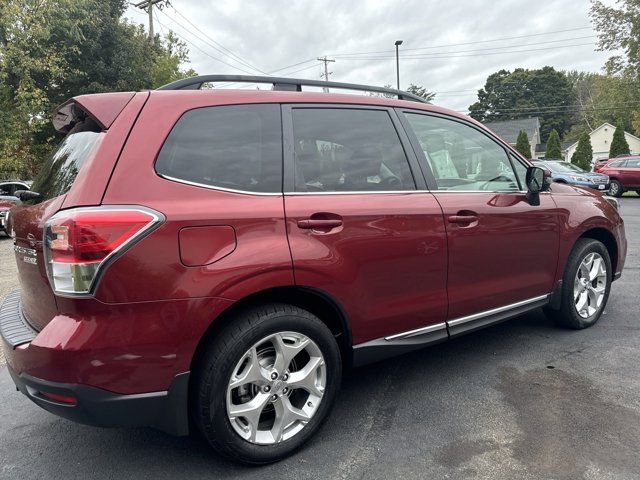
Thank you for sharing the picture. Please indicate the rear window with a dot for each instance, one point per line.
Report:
(60, 171)
(233, 147)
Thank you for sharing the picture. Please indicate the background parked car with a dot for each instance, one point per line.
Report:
(9, 188)
(6, 202)
(624, 174)
(566, 172)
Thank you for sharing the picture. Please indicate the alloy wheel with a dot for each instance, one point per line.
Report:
(590, 284)
(276, 387)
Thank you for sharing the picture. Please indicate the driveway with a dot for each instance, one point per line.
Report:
(522, 399)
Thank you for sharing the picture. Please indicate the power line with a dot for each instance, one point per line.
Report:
(207, 53)
(230, 53)
(487, 49)
(471, 43)
(445, 55)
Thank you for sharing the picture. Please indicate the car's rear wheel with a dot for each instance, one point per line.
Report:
(265, 383)
(585, 285)
(615, 189)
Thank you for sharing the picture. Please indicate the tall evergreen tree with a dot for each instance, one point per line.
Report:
(584, 152)
(522, 144)
(619, 145)
(554, 149)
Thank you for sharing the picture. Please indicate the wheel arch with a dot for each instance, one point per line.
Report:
(608, 239)
(319, 303)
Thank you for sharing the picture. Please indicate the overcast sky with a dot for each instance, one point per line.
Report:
(452, 42)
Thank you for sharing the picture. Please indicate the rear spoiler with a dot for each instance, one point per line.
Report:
(103, 108)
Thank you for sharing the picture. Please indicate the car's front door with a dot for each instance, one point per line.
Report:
(360, 227)
(503, 251)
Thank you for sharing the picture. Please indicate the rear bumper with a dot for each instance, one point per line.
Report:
(166, 411)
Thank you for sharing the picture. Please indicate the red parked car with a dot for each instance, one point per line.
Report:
(215, 259)
(624, 174)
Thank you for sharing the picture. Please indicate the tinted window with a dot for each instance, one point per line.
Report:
(633, 163)
(463, 158)
(617, 163)
(59, 173)
(348, 150)
(235, 147)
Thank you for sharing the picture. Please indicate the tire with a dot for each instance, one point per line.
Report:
(615, 188)
(232, 348)
(568, 315)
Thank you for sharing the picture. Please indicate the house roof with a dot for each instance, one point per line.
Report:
(508, 130)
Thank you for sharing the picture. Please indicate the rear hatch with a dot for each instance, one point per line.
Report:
(85, 121)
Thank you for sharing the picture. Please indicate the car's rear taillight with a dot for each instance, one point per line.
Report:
(79, 242)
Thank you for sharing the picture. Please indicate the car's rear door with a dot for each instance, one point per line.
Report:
(503, 251)
(361, 228)
(632, 173)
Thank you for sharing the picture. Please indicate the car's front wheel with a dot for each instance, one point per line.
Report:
(585, 285)
(266, 382)
(615, 188)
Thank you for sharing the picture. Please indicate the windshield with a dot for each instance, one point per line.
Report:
(564, 167)
(58, 174)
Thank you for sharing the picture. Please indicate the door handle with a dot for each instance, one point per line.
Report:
(317, 223)
(463, 218)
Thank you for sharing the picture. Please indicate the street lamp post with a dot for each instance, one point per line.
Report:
(398, 43)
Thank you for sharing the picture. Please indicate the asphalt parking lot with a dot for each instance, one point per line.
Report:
(522, 400)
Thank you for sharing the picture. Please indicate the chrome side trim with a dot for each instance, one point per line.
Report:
(222, 189)
(494, 311)
(417, 332)
(397, 344)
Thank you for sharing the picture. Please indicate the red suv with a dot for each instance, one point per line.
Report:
(214, 259)
(624, 174)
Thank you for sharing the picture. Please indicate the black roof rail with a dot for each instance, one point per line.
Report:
(286, 84)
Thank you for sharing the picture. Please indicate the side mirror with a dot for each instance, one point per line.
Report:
(26, 195)
(535, 181)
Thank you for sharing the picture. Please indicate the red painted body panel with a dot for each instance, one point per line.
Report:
(104, 108)
(93, 177)
(386, 264)
(510, 254)
(38, 301)
(123, 348)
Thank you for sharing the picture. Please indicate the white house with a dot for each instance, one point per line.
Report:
(601, 142)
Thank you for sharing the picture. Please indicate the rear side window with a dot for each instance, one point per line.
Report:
(234, 147)
(355, 150)
(60, 171)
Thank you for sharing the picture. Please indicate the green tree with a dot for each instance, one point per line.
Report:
(522, 144)
(603, 98)
(554, 149)
(619, 30)
(619, 145)
(51, 50)
(584, 153)
(421, 92)
(545, 92)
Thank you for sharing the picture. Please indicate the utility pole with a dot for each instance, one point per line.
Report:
(148, 6)
(326, 70)
(398, 43)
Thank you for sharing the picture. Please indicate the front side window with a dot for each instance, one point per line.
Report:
(618, 164)
(234, 147)
(463, 158)
(354, 150)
